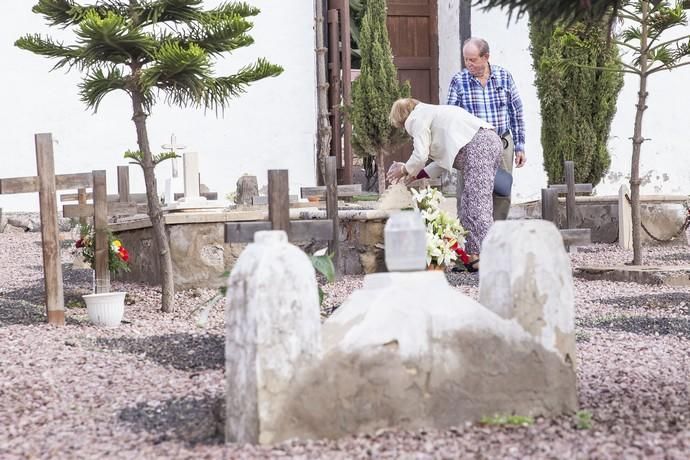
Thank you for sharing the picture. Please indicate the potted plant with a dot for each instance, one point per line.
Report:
(104, 308)
(445, 237)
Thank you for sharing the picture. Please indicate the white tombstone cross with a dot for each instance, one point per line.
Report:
(171, 181)
(174, 148)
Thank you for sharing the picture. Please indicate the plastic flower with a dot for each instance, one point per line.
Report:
(118, 256)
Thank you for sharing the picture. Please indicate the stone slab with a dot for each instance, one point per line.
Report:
(672, 275)
(409, 351)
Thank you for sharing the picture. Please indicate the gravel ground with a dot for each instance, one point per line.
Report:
(151, 388)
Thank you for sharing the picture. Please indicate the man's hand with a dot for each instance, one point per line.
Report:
(520, 159)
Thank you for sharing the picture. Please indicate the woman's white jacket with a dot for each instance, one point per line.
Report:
(439, 132)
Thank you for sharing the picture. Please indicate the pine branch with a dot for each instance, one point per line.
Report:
(217, 92)
(112, 39)
(555, 10)
(215, 37)
(99, 83)
(160, 11)
(66, 13)
(138, 158)
(66, 55)
(178, 67)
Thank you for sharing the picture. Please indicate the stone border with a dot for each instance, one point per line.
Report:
(642, 274)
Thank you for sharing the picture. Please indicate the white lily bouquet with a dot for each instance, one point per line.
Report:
(445, 237)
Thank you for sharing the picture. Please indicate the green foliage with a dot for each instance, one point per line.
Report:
(577, 102)
(151, 48)
(583, 420)
(555, 10)
(377, 87)
(356, 13)
(660, 17)
(324, 265)
(138, 157)
(507, 420)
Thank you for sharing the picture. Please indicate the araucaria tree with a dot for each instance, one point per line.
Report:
(645, 23)
(374, 92)
(577, 104)
(151, 49)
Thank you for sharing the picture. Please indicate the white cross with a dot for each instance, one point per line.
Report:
(173, 147)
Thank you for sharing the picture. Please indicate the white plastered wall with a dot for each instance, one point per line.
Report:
(272, 125)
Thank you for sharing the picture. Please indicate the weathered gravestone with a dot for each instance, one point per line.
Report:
(526, 276)
(407, 350)
(247, 189)
(272, 335)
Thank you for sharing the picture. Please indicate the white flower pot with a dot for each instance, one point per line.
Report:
(105, 309)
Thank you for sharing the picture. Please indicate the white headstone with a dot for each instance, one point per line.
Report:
(526, 275)
(191, 178)
(624, 218)
(273, 331)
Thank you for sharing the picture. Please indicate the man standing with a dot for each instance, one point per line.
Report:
(488, 92)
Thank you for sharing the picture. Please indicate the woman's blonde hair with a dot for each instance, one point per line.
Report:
(402, 108)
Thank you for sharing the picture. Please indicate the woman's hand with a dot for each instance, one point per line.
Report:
(396, 172)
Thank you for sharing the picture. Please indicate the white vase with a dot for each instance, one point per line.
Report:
(105, 309)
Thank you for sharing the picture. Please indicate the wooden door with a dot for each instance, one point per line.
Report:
(413, 31)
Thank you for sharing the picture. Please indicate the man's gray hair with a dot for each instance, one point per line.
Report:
(481, 45)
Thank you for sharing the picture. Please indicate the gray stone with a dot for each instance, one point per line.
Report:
(409, 351)
(3, 221)
(675, 275)
(247, 189)
(272, 334)
(25, 223)
(525, 275)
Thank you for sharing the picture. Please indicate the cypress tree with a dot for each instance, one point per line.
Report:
(577, 102)
(374, 92)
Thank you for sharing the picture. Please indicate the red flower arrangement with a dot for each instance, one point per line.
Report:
(118, 256)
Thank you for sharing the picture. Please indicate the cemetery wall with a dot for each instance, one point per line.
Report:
(200, 256)
(661, 215)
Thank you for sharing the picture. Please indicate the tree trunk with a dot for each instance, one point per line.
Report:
(155, 214)
(324, 125)
(381, 170)
(638, 140)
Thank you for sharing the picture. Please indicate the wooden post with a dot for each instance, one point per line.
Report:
(100, 224)
(549, 205)
(334, 58)
(347, 86)
(123, 183)
(278, 199)
(332, 208)
(570, 208)
(81, 199)
(52, 265)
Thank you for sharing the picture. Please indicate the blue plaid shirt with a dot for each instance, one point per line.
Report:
(498, 103)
